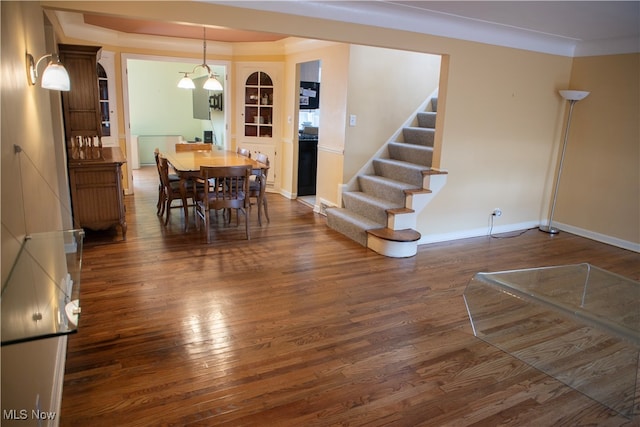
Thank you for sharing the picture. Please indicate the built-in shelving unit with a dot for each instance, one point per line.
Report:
(41, 296)
(259, 117)
(258, 105)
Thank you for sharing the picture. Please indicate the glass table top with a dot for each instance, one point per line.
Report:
(578, 323)
(595, 295)
(40, 297)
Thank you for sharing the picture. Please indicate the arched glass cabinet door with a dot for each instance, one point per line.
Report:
(103, 93)
(258, 105)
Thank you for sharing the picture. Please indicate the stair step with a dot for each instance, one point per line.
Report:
(368, 206)
(399, 211)
(400, 170)
(434, 171)
(407, 235)
(385, 188)
(419, 191)
(351, 224)
(416, 154)
(427, 119)
(434, 104)
(419, 136)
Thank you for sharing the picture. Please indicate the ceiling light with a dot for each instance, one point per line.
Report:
(54, 76)
(186, 82)
(212, 83)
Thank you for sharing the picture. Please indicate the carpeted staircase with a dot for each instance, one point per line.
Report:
(380, 210)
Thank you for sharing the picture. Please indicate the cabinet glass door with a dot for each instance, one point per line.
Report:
(108, 100)
(258, 105)
(103, 93)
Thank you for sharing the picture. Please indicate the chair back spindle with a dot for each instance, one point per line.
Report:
(258, 188)
(243, 152)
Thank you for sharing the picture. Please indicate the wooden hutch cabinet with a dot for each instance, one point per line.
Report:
(95, 172)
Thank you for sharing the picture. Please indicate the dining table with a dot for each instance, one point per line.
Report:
(187, 158)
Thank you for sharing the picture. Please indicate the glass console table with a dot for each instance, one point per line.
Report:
(578, 323)
(40, 297)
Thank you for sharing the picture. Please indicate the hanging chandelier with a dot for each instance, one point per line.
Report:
(212, 83)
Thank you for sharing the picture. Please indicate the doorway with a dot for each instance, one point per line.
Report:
(155, 107)
(308, 129)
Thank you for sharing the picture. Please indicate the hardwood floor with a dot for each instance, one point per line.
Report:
(302, 327)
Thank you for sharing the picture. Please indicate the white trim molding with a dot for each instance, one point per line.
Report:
(475, 232)
(58, 380)
(613, 241)
(509, 228)
(331, 149)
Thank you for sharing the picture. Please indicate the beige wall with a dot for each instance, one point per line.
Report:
(30, 179)
(335, 62)
(502, 122)
(34, 191)
(385, 88)
(600, 185)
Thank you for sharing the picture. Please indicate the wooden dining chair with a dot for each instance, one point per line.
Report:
(257, 188)
(230, 193)
(172, 192)
(161, 191)
(243, 152)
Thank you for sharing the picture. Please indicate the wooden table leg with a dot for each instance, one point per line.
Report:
(183, 196)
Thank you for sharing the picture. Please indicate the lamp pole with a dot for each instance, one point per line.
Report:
(572, 96)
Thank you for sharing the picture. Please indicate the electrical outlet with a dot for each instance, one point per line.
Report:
(497, 212)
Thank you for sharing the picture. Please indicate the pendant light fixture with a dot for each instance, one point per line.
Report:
(212, 83)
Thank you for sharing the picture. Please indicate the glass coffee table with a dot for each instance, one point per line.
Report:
(578, 323)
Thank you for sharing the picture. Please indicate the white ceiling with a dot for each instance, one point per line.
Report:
(572, 28)
(579, 20)
(568, 28)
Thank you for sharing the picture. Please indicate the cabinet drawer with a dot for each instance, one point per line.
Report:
(95, 176)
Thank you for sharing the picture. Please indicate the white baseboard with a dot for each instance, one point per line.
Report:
(287, 194)
(58, 380)
(484, 231)
(476, 232)
(613, 241)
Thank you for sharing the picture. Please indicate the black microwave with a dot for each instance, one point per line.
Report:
(309, 95)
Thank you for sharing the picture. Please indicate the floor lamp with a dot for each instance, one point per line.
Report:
(572, 96)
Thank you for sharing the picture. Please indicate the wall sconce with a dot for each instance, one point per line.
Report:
(212, 83)
(54, 76)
